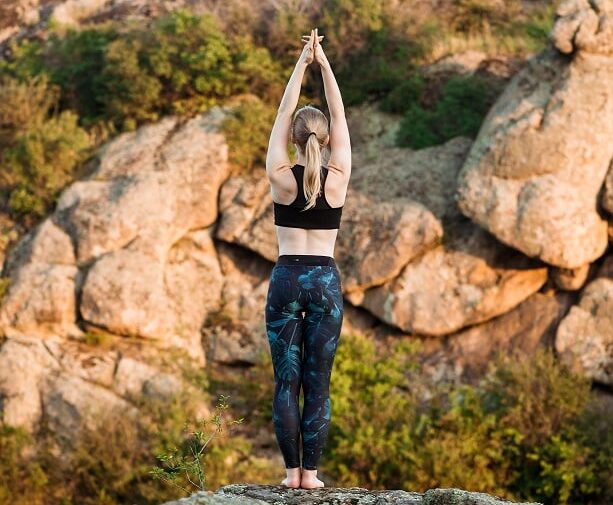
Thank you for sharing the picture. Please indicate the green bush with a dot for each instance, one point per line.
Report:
(22, 478)
(130, 74)
(564, 445)
(42, 162)
(75, 61)
(527, 431)
(26, 59)
(374, 71)
(247, 130)
(463, 103)
(371, 441)
(416, 129)
(404, 96)
(41, 148)
(183, 64)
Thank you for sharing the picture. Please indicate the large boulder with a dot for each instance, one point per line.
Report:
(41, 298)
(468, 280)
(141, 225)
(235, 334)
(74, 384)
(406, 227)
(533, 175)
(20, 392)
(463, 278)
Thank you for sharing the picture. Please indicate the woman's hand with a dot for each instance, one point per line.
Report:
(308, 51)
(318, 51)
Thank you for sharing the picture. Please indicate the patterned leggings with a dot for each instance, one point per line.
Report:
(311, 284)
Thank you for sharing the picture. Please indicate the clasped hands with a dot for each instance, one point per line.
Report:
(312, 49)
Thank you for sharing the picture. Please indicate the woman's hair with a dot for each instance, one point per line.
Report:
(306, 120)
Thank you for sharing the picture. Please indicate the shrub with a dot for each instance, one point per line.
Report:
(527, 431)
(185, 468)
(247, 130)
(42, 148)
(22, 479)
(463, 103)
(24, 103)
(561, 450)
(373, 412)
(128, 74)
(416, 129)
(75, 61)
(42, 162)
(382, 65)
(404, 96)
(183, 64)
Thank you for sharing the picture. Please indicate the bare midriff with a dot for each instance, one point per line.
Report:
(306, 241)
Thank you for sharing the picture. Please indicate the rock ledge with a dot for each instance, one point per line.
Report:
(240, 494)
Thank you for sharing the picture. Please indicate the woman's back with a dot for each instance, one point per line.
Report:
(311, 231)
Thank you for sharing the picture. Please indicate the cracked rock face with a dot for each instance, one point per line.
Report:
(456, 278)
(128, 248)
(267, 494)
(404, 251)
(584, 340)
(533, 175)
(126, 253)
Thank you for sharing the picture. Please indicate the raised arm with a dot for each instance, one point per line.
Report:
(340, 143)
(276, 156)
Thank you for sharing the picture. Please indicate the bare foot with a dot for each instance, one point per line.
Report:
(293, 477)
(310, 480)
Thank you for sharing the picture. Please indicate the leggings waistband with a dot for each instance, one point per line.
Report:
(305, 259)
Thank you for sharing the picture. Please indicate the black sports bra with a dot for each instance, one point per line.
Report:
(321, 216)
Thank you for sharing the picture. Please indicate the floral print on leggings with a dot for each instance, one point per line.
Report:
(316, 291)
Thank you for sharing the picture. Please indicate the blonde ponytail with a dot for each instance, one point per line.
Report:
(312, 170)
(309, 132)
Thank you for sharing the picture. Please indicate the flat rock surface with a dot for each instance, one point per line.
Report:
(265, 494)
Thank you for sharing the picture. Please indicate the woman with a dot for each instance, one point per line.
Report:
(304, 304)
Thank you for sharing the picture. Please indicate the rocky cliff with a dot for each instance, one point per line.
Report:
(468, 247)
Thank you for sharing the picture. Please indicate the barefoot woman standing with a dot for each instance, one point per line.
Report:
(304, 306)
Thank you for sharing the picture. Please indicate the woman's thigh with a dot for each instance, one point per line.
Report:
(316, 290)
(284, 323)
(322, 326)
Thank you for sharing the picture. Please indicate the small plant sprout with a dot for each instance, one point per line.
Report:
(184, 467)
